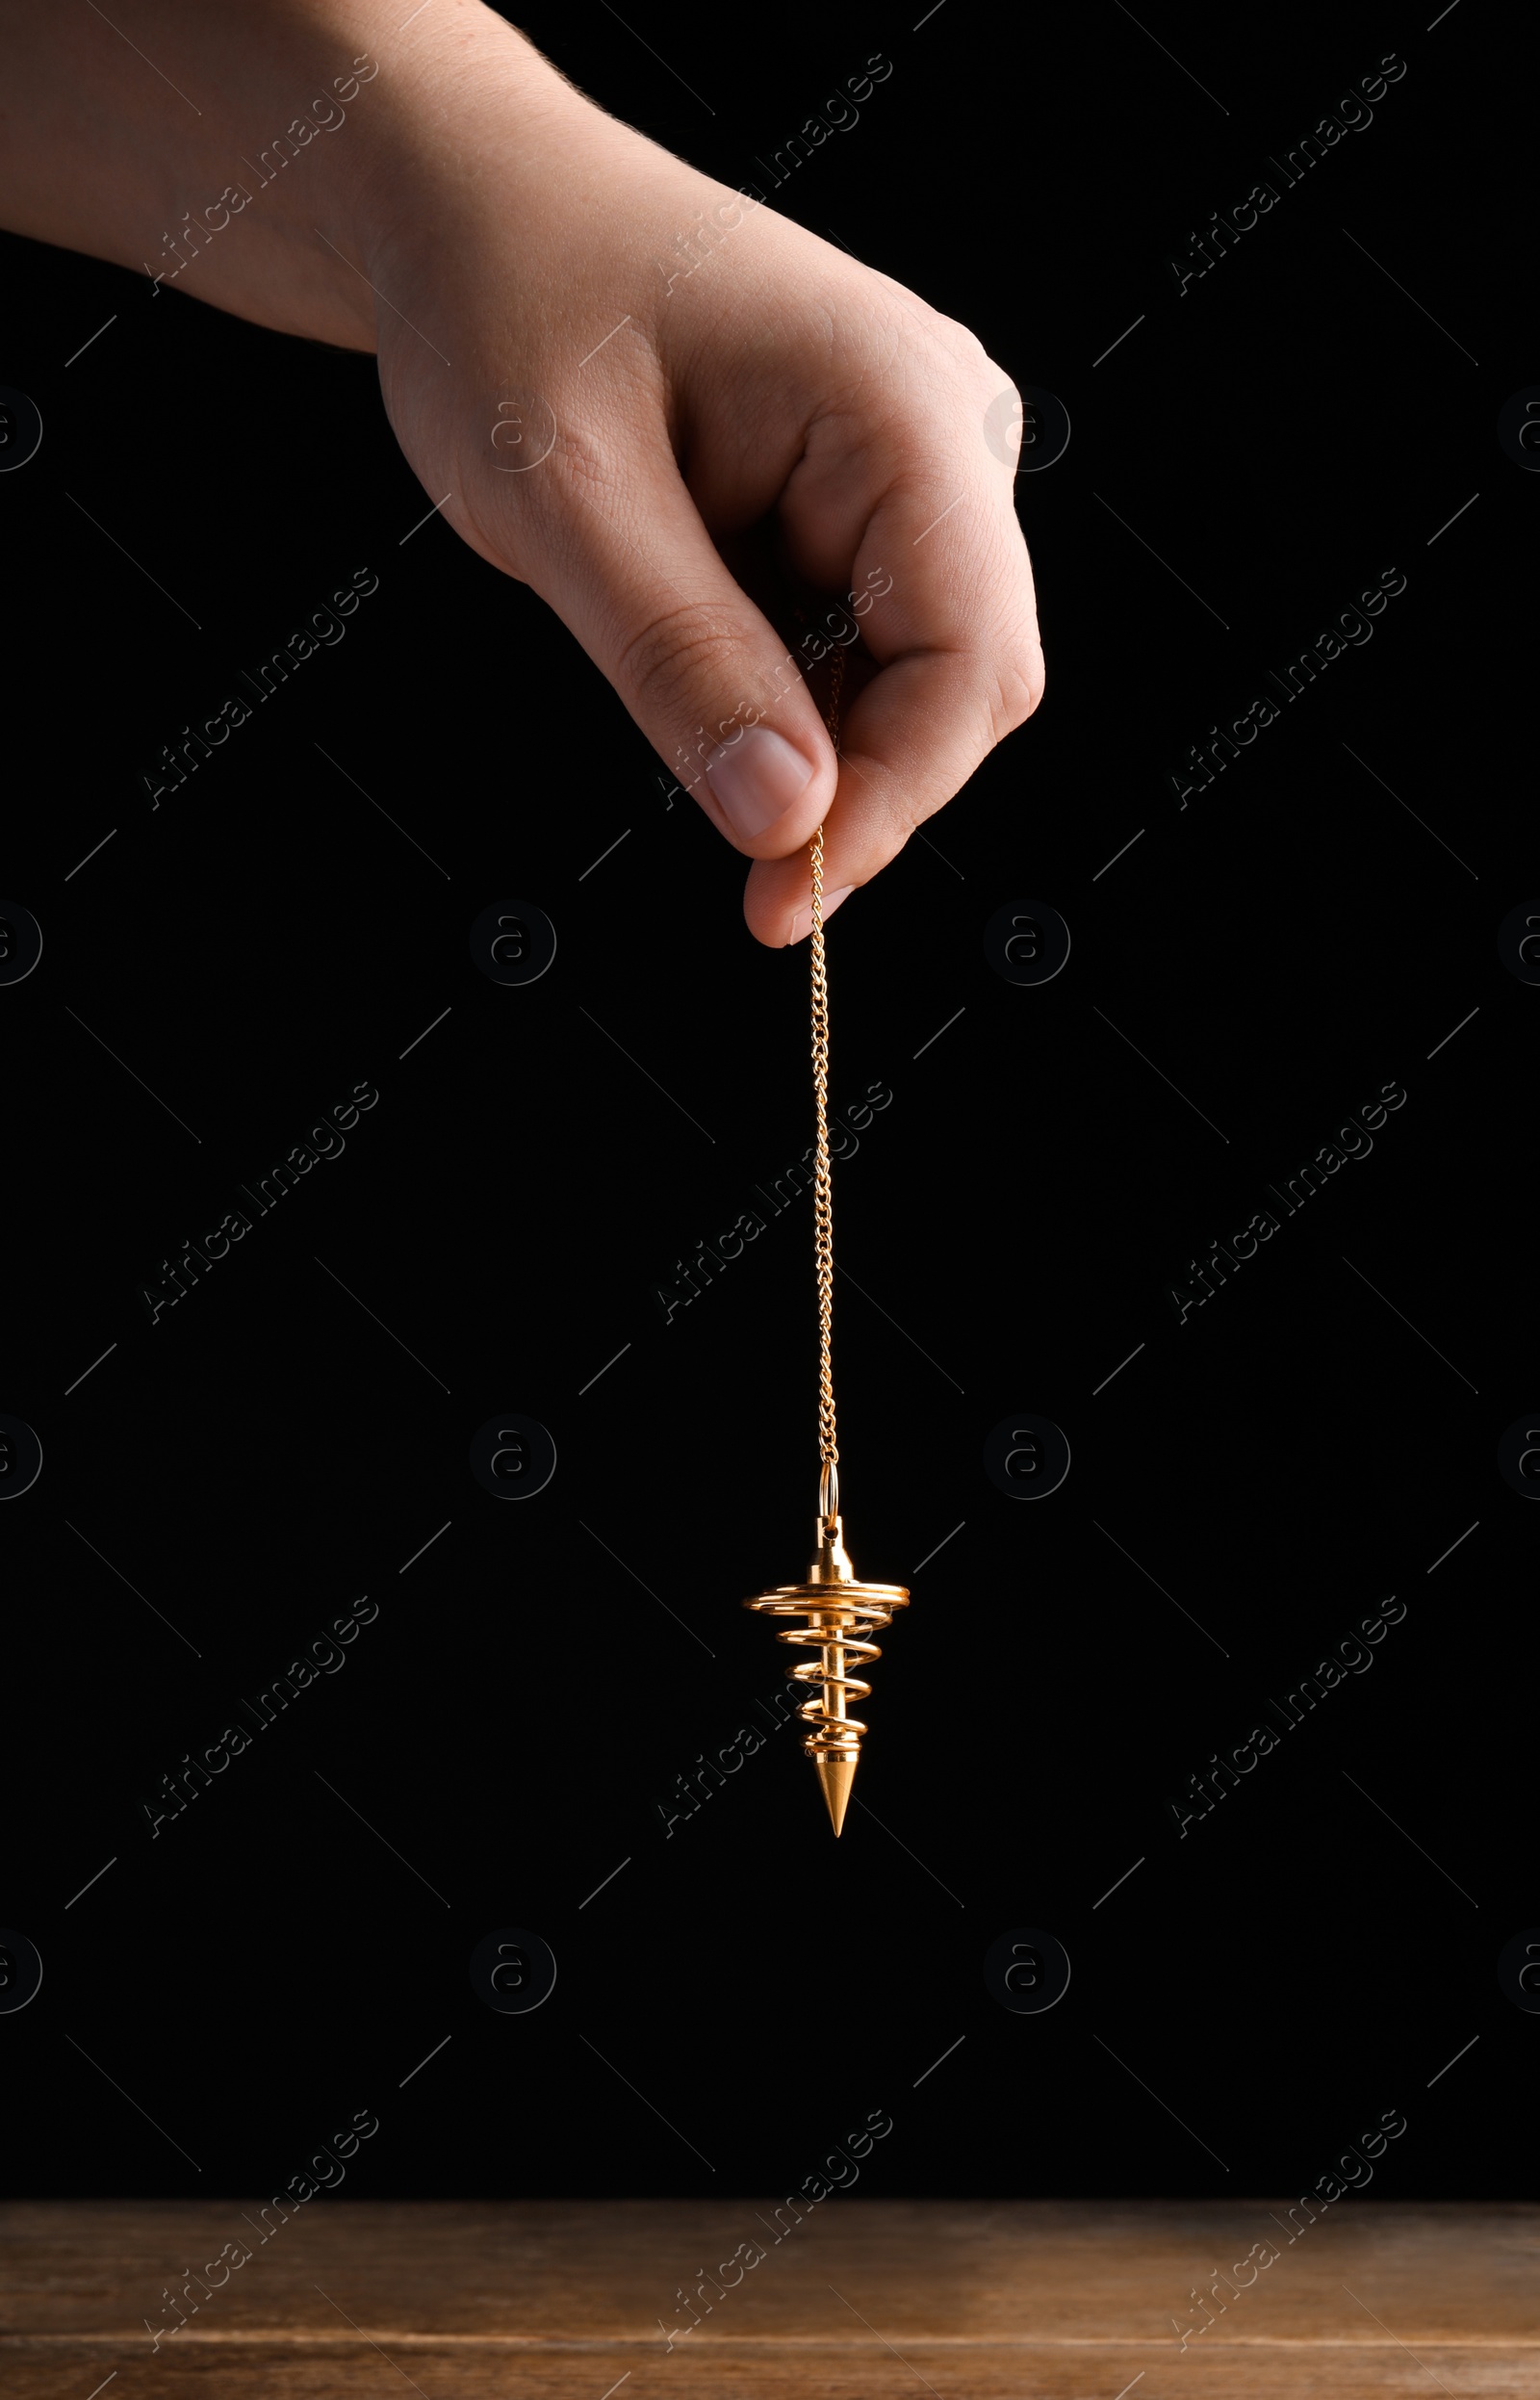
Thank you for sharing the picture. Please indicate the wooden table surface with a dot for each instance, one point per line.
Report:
(862, 2300)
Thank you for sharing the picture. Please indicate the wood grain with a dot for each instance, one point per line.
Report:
(864, 2299)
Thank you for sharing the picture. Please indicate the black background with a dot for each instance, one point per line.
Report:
(1242, 1492)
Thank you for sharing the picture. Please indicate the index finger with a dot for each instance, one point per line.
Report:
(953, 625)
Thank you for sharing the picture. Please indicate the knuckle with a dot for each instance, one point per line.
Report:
(663, 663)
(1004, 414)
(532, 522)
(1015, 687)
(511, 519)
(963, 343)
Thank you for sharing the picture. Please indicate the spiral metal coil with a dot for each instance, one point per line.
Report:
(837, 1619)
(838, 1613)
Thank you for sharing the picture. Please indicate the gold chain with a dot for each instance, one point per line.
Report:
(823, 1223)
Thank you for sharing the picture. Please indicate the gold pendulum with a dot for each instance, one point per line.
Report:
(838, 1611)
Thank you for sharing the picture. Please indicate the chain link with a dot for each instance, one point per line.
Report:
(823, 1220)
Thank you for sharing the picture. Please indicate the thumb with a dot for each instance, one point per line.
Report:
(704, 674)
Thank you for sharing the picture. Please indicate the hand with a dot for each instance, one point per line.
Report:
(623, 409)
(733, 407)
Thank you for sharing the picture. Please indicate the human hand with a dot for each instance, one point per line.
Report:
(614, 422)
(724, 405)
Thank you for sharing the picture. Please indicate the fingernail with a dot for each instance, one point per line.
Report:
(801, 921)
(756, 778)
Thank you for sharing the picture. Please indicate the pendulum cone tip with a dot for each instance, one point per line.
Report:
(835, 1775)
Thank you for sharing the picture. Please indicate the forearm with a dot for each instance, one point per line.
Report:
(252, 153)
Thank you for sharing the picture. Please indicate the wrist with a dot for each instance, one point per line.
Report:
(470, 132)
(370, 120)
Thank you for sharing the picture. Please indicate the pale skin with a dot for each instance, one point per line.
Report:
(477, 210)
